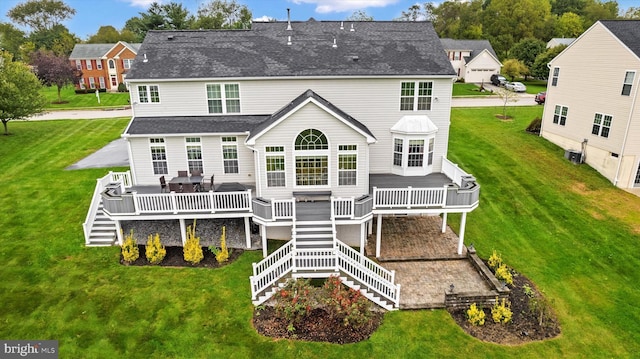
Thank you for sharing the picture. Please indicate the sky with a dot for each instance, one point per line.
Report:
(91, 14)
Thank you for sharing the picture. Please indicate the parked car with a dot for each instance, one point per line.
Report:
(515, 86)
(498, 80)
(540, 97)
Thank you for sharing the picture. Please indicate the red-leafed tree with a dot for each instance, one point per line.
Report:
(54, 70)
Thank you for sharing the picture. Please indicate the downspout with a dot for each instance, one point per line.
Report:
(626, 133)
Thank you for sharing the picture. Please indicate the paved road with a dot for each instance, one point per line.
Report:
(81, 114)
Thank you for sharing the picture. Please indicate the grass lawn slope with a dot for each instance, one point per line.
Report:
(562, 225)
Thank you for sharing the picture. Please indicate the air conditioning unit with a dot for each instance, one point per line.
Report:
(574, 156)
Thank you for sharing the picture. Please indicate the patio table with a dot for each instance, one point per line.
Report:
(195, 180)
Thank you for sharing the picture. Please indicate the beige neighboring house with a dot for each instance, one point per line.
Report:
(473, 60)
(557, 41)
(593, 107)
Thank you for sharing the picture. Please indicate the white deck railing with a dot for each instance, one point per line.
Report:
(409, 197)
(101, 184)
(323, 262)
(192, 202)
(452, 171)
(342, 207)
(283, 208)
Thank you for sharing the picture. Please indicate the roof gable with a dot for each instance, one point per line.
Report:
(299, 102)
(96, 51)
(627, 31)
(474, 46)
(375, 48)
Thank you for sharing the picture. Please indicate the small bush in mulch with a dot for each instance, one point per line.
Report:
(175, 258)
(535, 126)
(532, 318)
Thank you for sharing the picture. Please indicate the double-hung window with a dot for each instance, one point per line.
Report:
(416, 153)
(102, 84)
(194, 154)
(347, 165)
(416, 96)
(555, 75)
(223, 98)
(148, 94)
(78, 64)
(397, 151)
(92, 82)
(99, 64)
(126, 63)
(601, 125)
(275, 166)
(628, 82)
(560, 115)
(230, 154)
(158, 156)
(88, 63)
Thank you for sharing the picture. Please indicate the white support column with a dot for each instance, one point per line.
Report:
(183, 231)
(463, 221)
(370, 227)
(378, 235)
(444, 222)
(119, 233)
(363, 237)
(247, 231)
(263, 232)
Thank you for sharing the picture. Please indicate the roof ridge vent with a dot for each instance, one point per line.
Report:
(145, 58)
(341, 25)
(352, 29)
(289, 28)
(289, 40)
(335, 45)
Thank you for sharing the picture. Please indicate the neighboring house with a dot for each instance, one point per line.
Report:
(557, 41)
(103, 66)
(472, 60)
(593, 107)
(309, 129)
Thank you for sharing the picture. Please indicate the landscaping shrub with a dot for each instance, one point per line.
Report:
(535, 125)
(122, 87)
(130, 250)
(347, 304)
(501, 311)
(475, 315)
(495, 260)
(222, 253)
(293, 301)
(155, 251)
(192, 250)
(503, 274)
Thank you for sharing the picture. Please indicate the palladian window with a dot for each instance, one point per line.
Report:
(312, 158)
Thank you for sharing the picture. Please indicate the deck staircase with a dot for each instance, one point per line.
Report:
(99, 229)
(316, 252)
(103, 230)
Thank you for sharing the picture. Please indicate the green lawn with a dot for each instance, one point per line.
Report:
(82, 101)
(562, 225)
(464, 89)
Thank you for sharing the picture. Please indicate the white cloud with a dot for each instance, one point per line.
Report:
(263, 18)
(142, 3)
(327, 6)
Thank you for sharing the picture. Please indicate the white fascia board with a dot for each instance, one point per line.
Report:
(230, 79)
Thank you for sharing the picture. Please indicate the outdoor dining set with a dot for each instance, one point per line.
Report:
(186, 183)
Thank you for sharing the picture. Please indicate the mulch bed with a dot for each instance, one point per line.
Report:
(524, 326)
(175, 258)
(317, 326)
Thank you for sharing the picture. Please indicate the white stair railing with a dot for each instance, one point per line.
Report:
(271, 269)
(101, 184)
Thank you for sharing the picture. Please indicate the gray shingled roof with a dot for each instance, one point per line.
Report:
(475, 46)
(95, 51)
(164, 125)
(300, 99)
(628, 31)
(374, 49)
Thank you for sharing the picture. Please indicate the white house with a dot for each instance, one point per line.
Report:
(472, 60)
(593, 107)
(309, 129)
(557, 41)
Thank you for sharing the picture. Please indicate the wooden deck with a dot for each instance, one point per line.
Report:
(388, 180)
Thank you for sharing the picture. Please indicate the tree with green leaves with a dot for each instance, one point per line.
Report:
(20, 95)
(57, 39)
(569, 25)
(360, 15)
(11, 38)
(223, 14)
(41, 14)
(417, 12)
(540, 69)
(170, 16)
(559, 7)
(526, 50)
(457, 20)
(109, 35)
(514, 68)
(632, 13)
(54, 70)
(597, 10)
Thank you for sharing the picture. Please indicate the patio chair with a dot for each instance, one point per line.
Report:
(211, 188)
(183, 174)
(196, 173)
(163, 184)
(188, 188)
(175, 187)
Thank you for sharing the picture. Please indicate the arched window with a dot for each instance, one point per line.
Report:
(311, 139)
(112, 64)
(312, 158)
